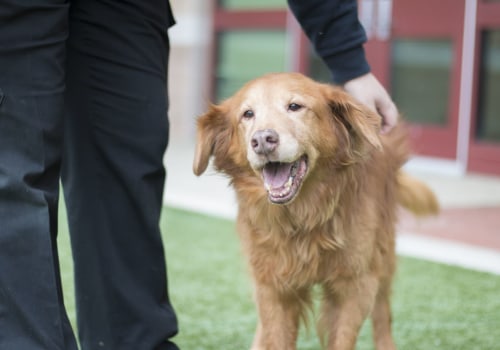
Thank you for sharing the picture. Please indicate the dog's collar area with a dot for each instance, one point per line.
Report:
(283, 180)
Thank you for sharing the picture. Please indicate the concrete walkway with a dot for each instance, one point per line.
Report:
(466, 234)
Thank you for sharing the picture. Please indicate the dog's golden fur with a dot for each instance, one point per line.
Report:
(334, 225)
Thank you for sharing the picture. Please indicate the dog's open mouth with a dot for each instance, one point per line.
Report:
(283, 180)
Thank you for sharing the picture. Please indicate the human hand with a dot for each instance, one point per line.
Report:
(369, 91)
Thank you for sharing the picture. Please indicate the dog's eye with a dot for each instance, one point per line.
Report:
(294, 107)
(248, 114)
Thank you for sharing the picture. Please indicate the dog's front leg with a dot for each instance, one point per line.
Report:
(279, 315)
(346, 304)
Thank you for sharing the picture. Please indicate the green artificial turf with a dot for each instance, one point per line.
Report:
(434, 306)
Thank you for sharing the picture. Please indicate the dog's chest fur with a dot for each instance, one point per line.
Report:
(291, 256)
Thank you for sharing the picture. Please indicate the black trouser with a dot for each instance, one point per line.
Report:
(83, 93)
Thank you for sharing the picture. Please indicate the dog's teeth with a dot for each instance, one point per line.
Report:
(286, 187)
(283, 191)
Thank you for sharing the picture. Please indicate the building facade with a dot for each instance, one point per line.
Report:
(440, 60)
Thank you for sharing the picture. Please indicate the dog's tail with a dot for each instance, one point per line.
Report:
(416, 196)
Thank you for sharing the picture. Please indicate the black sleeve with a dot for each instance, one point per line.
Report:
(336, 34)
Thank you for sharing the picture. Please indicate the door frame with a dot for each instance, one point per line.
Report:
(439, 141)
(482, 156)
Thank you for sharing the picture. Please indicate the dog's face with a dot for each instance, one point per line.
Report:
(280, 126)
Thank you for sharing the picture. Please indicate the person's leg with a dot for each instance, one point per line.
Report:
(113, 174)
(32, 37)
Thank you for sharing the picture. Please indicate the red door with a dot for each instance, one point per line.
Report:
(484, 147)
(415, 49)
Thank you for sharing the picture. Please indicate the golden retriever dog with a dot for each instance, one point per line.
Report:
(318, 189)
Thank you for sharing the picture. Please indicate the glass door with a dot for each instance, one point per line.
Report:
(415, 48)
(484, 150)
(250, 40)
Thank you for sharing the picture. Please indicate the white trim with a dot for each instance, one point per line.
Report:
(202, 205)
(448, 252)
(384, 20)
(191, 30)
(293, 43)
(466, 82)
(436, 165)
(367, 17)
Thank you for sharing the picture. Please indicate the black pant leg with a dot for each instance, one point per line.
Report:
(32, 45)
(113, 173)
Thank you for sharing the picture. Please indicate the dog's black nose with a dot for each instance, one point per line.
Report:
(265, 141)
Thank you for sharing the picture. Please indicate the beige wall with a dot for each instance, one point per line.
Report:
(189, 66)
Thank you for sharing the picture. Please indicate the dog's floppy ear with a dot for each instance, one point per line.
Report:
(359, 121)
(210, 127)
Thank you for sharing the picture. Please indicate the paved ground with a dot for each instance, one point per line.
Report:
(466, 233)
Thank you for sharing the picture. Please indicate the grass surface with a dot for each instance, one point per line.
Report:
(434, 306)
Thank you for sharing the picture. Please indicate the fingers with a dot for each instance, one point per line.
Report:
(387, 109)
(369, 91)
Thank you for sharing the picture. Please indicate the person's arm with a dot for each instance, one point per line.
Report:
(334, 29)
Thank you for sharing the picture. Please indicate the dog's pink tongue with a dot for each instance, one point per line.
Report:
(277, 174)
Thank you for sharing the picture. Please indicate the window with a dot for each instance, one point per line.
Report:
(247, 54)
(250, 40)
(488, 124)
(317, 69)
(420, 76)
